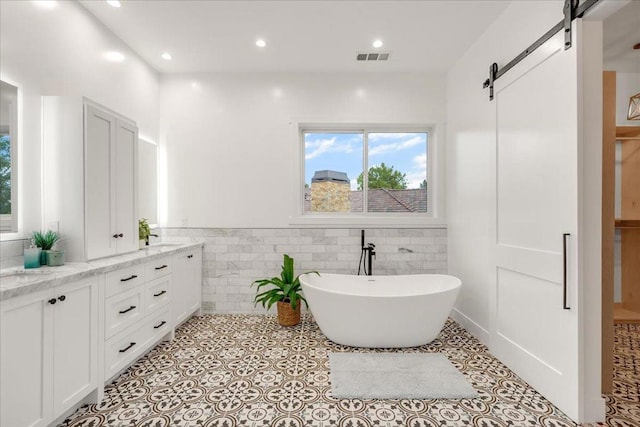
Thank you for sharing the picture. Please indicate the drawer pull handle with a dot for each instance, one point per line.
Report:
(162, 266)
(115, 236)
(52, 301)
(160, 293)
(62, 298)
(127, 310)
(133, 276)
(160, 325)
(190, 256)
(127, 347)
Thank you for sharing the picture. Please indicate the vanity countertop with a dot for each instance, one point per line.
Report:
(20, 281)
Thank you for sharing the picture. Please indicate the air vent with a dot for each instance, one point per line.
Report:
(374, 56)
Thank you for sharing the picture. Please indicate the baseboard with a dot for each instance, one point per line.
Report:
(595, 411)
(472, 327)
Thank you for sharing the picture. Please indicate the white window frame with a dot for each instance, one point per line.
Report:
(434, 217)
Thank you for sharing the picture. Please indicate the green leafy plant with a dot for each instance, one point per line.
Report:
(286, 288)
(144, 231)
(46, 240)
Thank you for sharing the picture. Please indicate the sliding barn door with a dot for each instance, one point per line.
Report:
(535, 324)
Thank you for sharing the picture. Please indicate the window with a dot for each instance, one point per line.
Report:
(397, 180)
(8, 158)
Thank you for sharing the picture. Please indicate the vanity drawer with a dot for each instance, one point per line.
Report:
(157, 293)
(125, 279)
(123, 310)
(159, 324)
(158, 268)
(121, 350)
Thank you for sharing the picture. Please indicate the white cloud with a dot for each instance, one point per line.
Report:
(396, 146)
(420, 161)
(322, 146)
(377, 136)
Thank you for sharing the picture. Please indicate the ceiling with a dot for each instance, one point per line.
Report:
(302, 35)
(621, 33)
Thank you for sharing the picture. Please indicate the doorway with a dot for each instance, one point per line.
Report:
(621, 210)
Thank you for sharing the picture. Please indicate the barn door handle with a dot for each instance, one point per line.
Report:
(565, 271)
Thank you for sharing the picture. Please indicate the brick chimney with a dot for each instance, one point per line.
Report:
(330, 191)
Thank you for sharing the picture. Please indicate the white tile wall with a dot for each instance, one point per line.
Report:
(234, 258)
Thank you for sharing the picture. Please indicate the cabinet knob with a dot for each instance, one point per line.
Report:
(62, 298)
(115, 236)
(52, 301)
(190, 256)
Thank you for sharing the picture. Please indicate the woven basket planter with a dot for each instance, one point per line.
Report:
(287, 316)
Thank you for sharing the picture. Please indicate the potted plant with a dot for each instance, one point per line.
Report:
(285, 291)
(45, 241)
(144, 231)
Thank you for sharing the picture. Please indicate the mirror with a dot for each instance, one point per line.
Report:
(148, 181)
(8, 158)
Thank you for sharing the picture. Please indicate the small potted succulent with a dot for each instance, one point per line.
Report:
(285, 291)
(45, 241)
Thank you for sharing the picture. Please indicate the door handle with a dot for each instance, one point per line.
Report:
(161, 267)
(160, 325)
(565, 271)
(159, 293)
(133, 276)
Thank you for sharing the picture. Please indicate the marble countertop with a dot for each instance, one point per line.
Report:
(17, 281)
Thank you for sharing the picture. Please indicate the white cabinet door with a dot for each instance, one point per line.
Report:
(100, 200)
(75, 343)
(179, 288)
(194, 281)
(126, 178)
(26, 360)
(186, 292)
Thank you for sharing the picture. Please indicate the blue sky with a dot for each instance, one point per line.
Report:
(342, 152)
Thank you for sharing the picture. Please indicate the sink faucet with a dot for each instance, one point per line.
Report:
(146, 240)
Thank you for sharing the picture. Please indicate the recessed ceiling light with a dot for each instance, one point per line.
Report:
(45, 4)
(114, 56)
(377, 43)
(167, 56)
(114, 3)
(261, 43)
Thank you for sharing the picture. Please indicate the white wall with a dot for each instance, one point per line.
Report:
(58, 51)
(231, 138)
(471, 164)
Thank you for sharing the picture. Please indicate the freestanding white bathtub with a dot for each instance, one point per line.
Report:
(380, 311)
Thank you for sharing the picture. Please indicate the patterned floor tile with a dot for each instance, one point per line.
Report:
(246, 370)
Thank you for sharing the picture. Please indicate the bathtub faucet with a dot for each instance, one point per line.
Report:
(369, 251)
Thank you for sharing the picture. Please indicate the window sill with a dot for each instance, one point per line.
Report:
(367, 221)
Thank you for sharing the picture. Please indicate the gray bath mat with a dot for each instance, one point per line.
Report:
(396, 376)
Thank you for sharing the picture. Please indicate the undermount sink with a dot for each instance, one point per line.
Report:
(163, 245)
(16, 278)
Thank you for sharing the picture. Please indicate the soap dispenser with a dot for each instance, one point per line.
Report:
(32, 256)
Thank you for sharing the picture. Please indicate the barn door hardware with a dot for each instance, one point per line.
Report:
(572, 10)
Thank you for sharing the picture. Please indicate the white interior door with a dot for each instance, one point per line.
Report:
(537, 120)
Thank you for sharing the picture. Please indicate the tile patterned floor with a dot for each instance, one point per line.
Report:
(246, 371)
